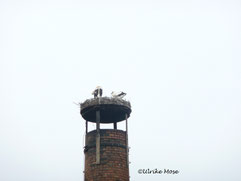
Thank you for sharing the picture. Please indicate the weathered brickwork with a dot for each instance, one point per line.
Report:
(113, 156)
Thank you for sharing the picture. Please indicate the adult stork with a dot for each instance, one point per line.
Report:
(97, 92)
(118, 94)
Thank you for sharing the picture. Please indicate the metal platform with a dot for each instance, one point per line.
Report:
(112, 110)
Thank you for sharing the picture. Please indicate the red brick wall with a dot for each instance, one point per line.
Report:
(113, 157)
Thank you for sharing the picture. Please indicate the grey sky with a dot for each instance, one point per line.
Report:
(178, 61)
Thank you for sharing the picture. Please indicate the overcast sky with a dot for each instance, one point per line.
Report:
(178, 61)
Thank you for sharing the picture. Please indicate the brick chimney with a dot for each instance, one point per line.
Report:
(106, 150)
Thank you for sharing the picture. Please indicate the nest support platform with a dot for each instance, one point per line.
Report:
(112, 110)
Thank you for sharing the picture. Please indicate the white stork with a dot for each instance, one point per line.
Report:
(118, 94)
(97, 92)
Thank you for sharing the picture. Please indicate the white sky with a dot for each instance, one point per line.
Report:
(178, 61)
